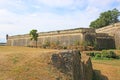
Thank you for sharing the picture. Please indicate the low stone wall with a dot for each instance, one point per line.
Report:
(72, 64)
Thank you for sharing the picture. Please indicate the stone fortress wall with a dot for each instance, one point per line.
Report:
(110, 30)
(113, 31)
(103, 37)
(65, 37)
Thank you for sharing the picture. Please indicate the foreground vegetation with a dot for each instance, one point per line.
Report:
(106, 64)
(106, 69)
(104, 54)
(22, 63)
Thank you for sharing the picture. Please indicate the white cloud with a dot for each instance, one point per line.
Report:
(66, 4)
(84, 11)
(118, 0)
(100, 3)
(56, 3)
(18, 24)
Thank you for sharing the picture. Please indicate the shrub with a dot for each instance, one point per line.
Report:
(90, 54)
(64, 47)
(104, 54)
(76, 43)
(98, 56)
(111, 54)
(95, 53)
(46, 44)
(108, 54)
(118, 57)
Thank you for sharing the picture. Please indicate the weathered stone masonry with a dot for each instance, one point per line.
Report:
(106, 37)
(113, 31)
(65, 37)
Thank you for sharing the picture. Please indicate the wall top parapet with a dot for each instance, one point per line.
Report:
(58, 32)
(116, 25)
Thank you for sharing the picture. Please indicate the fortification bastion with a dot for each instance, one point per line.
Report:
(71, 37)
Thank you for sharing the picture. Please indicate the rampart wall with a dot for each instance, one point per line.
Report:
(117, 39)
(111, 29)
(63, 37)
(104, 38)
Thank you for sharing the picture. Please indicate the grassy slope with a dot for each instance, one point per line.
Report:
(21, 63)
(107, 69)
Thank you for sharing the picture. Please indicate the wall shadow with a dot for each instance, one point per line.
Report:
(98, 76)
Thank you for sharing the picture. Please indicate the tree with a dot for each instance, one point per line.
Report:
(34, 35)
(106, 18)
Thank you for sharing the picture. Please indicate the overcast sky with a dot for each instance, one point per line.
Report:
(21, 16)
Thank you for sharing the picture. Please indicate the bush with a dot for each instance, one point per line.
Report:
(91, 54)
(46, 44)
(76, 43)
(111, 54)
(104, 54)
(98, 56)
(94, 54)
(108, 54)
(64, 47)
(118, 57)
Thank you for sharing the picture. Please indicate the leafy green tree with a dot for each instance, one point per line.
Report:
(34, 35)
(106, 18)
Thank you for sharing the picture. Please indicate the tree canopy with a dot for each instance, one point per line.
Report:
(34, 35)
(106, 18)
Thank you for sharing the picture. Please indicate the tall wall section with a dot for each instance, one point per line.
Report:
(112, 31)
(117, 39)
(105, 41)
(63, 37)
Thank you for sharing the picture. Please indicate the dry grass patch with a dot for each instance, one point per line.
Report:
(108, 68)
(22, 63)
